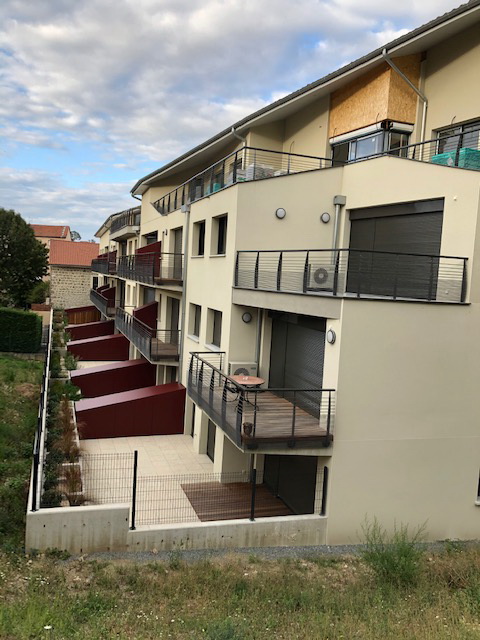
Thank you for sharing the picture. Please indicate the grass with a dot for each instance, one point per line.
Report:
(19, 392)
(233, 598)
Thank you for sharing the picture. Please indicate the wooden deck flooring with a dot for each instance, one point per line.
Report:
(163, 350)
(217, 501)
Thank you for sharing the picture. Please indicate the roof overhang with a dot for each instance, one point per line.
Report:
(415, 41)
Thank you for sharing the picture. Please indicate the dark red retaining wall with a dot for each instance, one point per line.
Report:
(80, 315)
(103, 348)
(91, 329)
(114, 378)
(157, 410)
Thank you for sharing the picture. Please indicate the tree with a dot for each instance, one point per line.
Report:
(75, 235)
(23, 259)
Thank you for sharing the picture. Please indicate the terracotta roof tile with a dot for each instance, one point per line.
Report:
(75, 254)
(50, 230)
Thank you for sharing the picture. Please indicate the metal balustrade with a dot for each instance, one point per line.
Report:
(351, 272)
(256, 417)
(128, 218)
(103, 304)
(106, 263)
(244, 165)
(152, 268)
(154, 344)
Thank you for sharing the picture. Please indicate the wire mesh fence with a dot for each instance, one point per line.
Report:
(107, 477)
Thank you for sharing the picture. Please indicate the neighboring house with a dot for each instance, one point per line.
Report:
(70, 272)
(328, 244)
(47, 232)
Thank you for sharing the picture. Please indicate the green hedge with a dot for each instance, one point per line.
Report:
(20, 331)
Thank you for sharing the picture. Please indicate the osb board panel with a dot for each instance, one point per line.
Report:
(360, 103)
(402, 100)
(375, 96)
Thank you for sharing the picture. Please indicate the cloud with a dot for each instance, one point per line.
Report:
(144, 80)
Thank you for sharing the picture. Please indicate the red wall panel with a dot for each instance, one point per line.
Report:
(157, 410)
(91, 329)
(114, 347)
(114, 378)
(147, 314)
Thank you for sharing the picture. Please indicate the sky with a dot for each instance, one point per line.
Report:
(95, 94)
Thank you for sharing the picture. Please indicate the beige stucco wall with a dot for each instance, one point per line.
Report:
(70, 286)
(451, 82)
(306, 132)
(407, 444)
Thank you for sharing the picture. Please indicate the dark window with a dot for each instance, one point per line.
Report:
(217, 328)
(221, 235)
(95, 282)
(195, 317)
(192, 425)
(460, 144)
(150, 238)
(200, 238)
(370, 145)
(212, 429)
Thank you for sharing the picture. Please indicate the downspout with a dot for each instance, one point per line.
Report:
(239, 137)
(339, 202)
(419, 93)
(186, 210)
(136, 197)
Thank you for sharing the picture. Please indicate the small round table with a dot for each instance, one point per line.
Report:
(252, 382)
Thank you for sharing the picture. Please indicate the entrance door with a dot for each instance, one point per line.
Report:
(293, 479)
(408, 228)
(177, 250)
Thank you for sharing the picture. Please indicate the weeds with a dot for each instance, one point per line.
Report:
(395, 559)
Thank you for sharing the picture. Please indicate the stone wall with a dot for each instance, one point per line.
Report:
(70, 286)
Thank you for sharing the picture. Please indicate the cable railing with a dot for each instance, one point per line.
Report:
(152, 268)
(461, 150)
(352, 272)
(154, 344)
(254, 417)
(244, 165)
(104, 304)
(128, 218)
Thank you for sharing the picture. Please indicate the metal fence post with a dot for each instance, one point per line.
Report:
(36, 462)
(134, 489)
(254, 491)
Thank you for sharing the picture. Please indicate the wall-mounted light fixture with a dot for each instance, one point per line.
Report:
(280, 213)
(325, 217)
(247, 317)
(331, 336)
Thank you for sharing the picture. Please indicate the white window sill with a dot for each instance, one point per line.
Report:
(212, 347)
(218, 255)
(202, 256)
(193, 338)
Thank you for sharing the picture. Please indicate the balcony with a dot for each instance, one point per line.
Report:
(354, 273)
(461, 150)
(153, 344)
(104, 299)
(260, 418)
(245, 165)
(106, 263)
(152, 268)
(125, 224)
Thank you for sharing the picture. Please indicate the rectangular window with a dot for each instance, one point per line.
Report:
(199, 238)
(212, 429)
(192, 424)
(454, 139)
(219, 235)
(195, 319)
(217, 328)
(95, 282)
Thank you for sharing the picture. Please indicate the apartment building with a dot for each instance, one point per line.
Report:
(324, 251)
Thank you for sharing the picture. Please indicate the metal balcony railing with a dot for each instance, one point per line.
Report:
(128, 218)
(152, 268)
(154, 344)
(103, 304)
(460, 150)
(358, 273)
(256, 417)
(105, 263)
(244, 165)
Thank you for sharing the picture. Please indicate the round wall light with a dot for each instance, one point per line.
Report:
(325, 217)
(331, 336)
(247, 317)
(280, 213)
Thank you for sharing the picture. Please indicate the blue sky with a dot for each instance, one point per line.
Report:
(97, 94)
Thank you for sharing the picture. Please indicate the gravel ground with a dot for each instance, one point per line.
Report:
(268, 553)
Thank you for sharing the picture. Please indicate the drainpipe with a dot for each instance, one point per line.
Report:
(419, 93)
(239, 137)
(136, 197)
(186, 211)
(259, 338)
(339, 202)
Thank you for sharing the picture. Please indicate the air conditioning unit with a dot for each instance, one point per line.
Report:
(242, 368)
(321, 278)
